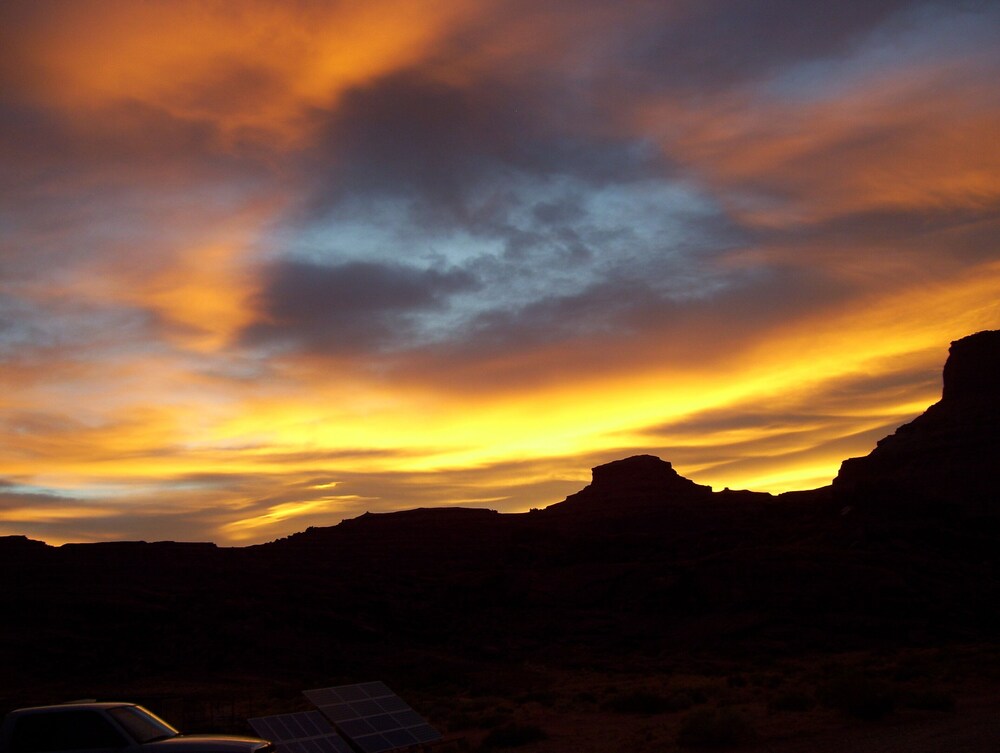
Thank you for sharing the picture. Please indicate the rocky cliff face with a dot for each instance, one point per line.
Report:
(972, 371)
(949, 456)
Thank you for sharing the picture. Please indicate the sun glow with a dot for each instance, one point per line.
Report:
(268, 265)
(247, 528)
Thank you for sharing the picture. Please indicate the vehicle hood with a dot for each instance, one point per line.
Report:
(214, 743)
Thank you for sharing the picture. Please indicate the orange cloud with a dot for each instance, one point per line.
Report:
(254, 71)
(167, 152)
(906, 140)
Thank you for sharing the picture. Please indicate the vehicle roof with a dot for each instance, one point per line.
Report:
(76, 705)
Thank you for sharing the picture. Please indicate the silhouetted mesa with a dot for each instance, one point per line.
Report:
(947, 458)
(642, 563)
(972, 371)
(629, 485)
(20, 543)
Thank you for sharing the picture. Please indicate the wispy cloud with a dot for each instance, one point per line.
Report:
(268, 267)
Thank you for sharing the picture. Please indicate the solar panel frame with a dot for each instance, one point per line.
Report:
(300, 732)
(372, 717)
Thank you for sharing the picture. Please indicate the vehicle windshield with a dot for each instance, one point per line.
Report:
(144, 726)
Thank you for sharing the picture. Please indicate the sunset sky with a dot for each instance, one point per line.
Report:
(267, 265)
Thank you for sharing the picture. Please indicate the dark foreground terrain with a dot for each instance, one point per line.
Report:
(645, 612)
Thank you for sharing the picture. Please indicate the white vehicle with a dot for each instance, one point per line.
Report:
(109, 728)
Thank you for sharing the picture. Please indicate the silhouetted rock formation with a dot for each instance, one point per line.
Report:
(972, 371)
(20, 543)
(948, 458)
(641, 563)
(627, 486)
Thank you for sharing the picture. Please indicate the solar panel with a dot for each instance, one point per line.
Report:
(304, 732)
(373, 717)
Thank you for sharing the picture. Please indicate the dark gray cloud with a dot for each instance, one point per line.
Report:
(412, 135)
(807, 425)
(349, 307)
(275, 505)
(56, 518)
(712, 44)
(68, 330)
(778, 453)
(970, 233)
(624, 322)
(564, 194)
(839, 403)
(128, 188)
(20, 500)
(122, 142)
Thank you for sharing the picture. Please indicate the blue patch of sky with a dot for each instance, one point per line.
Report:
(528, 239)
(16, 332)
(34, 490)
(92, 332)
(520, 255)
(918, 37)
(108, 492)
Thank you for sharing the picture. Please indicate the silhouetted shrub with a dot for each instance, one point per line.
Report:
(648, 702)
(544, 697)
(910, 670)
(513, 736)
(713, 728)
(929, 700)
(792, 700)
(637, 702)
(491, 720)
(682, 700)
(767, 681)
(859, 697)
(459, 720)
